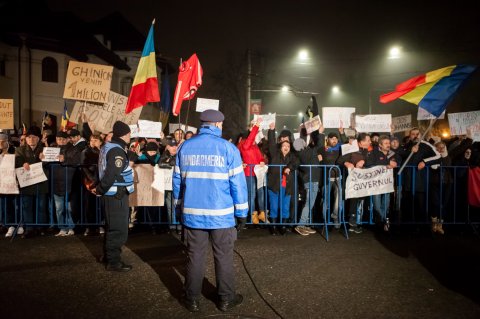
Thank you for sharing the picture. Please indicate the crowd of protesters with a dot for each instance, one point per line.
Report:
(295, 179)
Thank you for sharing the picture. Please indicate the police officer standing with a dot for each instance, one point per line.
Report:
(116, 183)
(209, 187)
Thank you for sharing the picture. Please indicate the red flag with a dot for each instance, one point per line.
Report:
(189, 80)
(474, 186)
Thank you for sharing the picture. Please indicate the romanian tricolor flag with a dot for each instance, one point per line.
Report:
(145, 84)
(432, 91)
(65, 124)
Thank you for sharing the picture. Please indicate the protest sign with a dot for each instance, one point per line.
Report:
(363, 182)
(473, 132)
(296, 136)
(206, 104)
(260, 172)
(373, 123)
(8, 182)
(313, 124)
(402, 123)
(51, 154)
(258, 137)
(133, 130)
(350, 148)
(349, 132)
(88, 82)
(145, 194)
(423, 115)
(459, 122)
(172, 127)
(267, 119)
(6, 113)
(33, 176)
(335, 117)
(101, 117)
(149, 129)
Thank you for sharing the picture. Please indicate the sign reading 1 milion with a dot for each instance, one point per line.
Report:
(88, 82)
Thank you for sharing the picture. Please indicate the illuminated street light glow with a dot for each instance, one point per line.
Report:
(300, 114)
(285, 88)
(394, 52)
(303, 54)
(335, 89)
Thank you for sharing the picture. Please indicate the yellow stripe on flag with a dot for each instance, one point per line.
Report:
(146, 69)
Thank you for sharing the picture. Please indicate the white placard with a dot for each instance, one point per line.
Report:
(459, 122)
(473, 132)
(423, 115)
(133, 130)
(335, 117)
(402, 123)
(313, 124)
(101, 117)
(172, 127)
(348, 148)
(149, 129)
(168, 178)
(207, 104)
(363, 182)
(349, 132)
(259, 136)
(260, 172)
(296, 136)
(8, 182)
(267, 119)
(51, 154)
(33, 176)
(373, 123)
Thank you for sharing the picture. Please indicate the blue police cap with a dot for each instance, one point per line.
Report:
(212, 116)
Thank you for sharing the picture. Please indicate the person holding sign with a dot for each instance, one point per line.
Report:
(115, 184)
(7, 205)
(33, 197)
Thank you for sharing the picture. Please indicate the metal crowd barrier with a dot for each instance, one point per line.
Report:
(417, 195)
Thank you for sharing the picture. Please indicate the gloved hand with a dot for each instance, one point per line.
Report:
(241, 222)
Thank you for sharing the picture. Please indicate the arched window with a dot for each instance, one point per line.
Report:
(49, 70)
(126, 85)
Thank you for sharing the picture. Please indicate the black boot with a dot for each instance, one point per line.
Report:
(273, 229)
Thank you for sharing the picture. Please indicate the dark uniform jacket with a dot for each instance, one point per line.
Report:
(116, 160)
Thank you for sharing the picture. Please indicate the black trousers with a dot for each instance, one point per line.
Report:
(222, 245)
(116, 222)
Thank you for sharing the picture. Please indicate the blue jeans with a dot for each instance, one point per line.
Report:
(34, 209)
(255, 193)
(64, 216)
(381, 204)
(334, 189)
(274, 199)
(312, 191)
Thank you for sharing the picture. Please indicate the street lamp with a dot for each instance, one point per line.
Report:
(335, 89)
(285, 88)
(303, 55)
(394, 52)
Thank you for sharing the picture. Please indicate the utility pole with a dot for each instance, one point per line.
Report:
(249, 87)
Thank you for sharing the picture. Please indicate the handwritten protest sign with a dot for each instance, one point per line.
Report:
(133, 130)
(149, 129)
(101, 117)
(459, 122)
(33, 176)
(6, 113)
(51, 154)
(167, 178)
(473, 132)
(8, 182)
(350, 148)
(402, 123)
(260, 172)
(313, 124)
(145, 194)
(369, 181)
(373, 123)
(266, 120)
(207, 104)
(259, 137)
(335, 117)
(423, 115)
(88, 82)
(172, 127)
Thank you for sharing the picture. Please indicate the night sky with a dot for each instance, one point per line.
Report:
(348, 42)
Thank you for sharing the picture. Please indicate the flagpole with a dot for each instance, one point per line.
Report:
(419, 141)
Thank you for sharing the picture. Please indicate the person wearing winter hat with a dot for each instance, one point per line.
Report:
(116, 183)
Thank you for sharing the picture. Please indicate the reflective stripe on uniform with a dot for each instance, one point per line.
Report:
(241, 206)
(208, 212)
(235, 171)
(206, 175)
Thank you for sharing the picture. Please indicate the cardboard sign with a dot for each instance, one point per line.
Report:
(459, 122)
(88, 82)
(373, 123)
(402, 123)
(335, 117)
(313, 124)
(363, 182)
(145, 194)
(149, 129)
(423, 115)
(172, 127)
(348, 148)
(267, 119)
(8, 182)
(207, 104)
(33, 176)
(6, 114)
(51, 154)
(101, 117)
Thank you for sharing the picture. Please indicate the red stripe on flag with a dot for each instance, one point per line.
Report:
(403, 88)
(143, 93)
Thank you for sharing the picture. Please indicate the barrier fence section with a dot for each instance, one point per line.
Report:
(419, 195)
